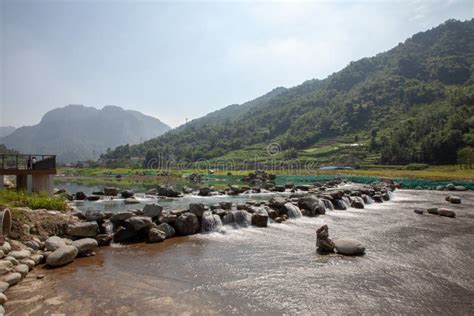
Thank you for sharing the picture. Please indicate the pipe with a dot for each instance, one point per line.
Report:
(5, 222)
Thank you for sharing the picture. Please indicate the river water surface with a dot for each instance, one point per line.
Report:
(414, 264)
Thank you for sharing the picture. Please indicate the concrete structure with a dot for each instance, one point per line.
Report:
(31, 176)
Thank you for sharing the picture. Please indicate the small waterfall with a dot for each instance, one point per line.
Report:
(240, 218)
(109, 227)
(347, 201)
(328, 204)
(367, 199)
(293, 210)
(210, 222)
(357, 202)
(340, 204)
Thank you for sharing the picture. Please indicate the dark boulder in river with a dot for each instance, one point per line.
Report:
(187, 224)
(80, 196)
(168, 191)
(127, 194)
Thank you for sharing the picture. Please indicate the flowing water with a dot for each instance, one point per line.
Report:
(414, 264)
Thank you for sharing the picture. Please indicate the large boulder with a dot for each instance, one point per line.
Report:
(62, 256)
(131, 200)
(260, 219)
(187, 224)
(83, 229)
(446, 212)
(104, 239)
(53, 243)
(152, 210)
(94, 197)
(323, 242)
(168, 218)
(167, 229)
(120, 217)
(127, 194)
(349, 246)
(225, 205)
(197, 209)
(23, 269)
(277, 202)
(454, 199)
(156, 235)
(94, 216)
(168, 191)
(139, 222)
(312, 205)
(110, 191)
(85, 246)
(125, 234)
(80, 196)
(204, 191)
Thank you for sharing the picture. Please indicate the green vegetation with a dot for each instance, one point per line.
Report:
(13, 198)
(411, 104)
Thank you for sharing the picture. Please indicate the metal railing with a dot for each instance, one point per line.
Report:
(27, 162)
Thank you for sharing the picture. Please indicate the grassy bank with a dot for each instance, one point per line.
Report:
(13, 198)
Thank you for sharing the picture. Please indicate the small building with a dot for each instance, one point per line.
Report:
(34, 173)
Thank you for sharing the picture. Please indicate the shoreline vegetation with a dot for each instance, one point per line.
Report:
(433, 173)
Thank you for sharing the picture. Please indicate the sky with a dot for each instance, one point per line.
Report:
(184, 59)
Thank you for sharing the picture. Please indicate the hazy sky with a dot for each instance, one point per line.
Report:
(174, 60)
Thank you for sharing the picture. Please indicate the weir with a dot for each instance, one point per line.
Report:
(34, 173)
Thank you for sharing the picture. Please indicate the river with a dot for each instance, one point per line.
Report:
(414, 264)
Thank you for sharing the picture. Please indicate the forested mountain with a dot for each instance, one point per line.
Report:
(413, 103)
(76, 132)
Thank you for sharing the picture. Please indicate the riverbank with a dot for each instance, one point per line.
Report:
(414, 264)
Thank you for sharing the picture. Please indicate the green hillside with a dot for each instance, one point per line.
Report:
(413, 103)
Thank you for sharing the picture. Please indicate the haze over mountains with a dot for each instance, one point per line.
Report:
(6, 130)
(413, 103)
(77, 132)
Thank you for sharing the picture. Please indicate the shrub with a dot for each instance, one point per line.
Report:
(34, 201)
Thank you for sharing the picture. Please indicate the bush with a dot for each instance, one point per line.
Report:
(34, 201)
(417, 166)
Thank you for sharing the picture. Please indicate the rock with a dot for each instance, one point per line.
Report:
(279, 220)
(167, 229)
(455, 199)
(125, 234)
(93, 198)
(377, 198)
(433, 211)
(12, 260)
(85, 246)
(12, 278)
(279, 188)
(111, 191)
(277, 203)
(62, 256)
(2, 254)
(168, 218)
(33, 244)
(152, 192)
(312, 205)
(460, 188)
(139, 222)
(23, 269)
(386, 196)
(6, 266)
(98, 193)
(204, 191)
(127, 194)
(187, 224)
(120, 217)
(6, 248)
(3, 286)
(260, 219)
(3, 300)
(94, 216)
(451, 187)
(446, 212)
(156, 235)
(323, 243)
(418, 211)
(197, 209)
(53, 243)
(20, 254)
(168, 192)
(37, 258)
(152, 210)
(357, 202)
(225, 205)
(104, 239)
(83, 229)
(80, 196)
(349, 246)
(27, 261)
(131, 200)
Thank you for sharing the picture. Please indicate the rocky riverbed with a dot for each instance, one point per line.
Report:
(276, 223)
